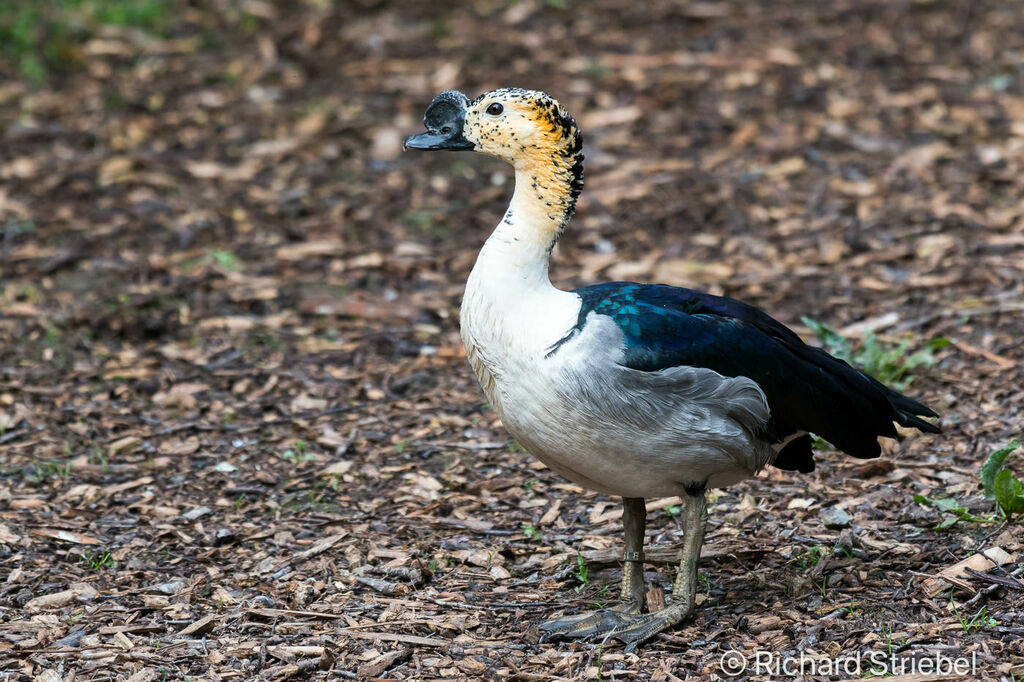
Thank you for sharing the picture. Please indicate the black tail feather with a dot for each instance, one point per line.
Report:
(909, 412)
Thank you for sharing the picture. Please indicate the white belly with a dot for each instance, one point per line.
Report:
(588, 418)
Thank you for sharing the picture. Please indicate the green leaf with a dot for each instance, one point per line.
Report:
(833, 341)
(1009, 492)
(946, 522)
(942, 503)
(992, 466)
(949, 504)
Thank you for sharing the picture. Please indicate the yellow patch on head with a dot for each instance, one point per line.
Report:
(533, 132)
(523, 127)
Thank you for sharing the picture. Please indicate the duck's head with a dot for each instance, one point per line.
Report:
(522, 127)
(527, 128)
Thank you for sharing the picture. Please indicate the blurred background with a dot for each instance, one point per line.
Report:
(220, 271)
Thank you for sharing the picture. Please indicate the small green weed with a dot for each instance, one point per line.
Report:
(978, 621)
(54, 468)
(224, 259)
(531, 532)
(99, 456)
(297, 453)
(1000, 483)
(808, 558)
(953, 511)
(97, 561)
(582, 573)
(887, 362)
(891, 643)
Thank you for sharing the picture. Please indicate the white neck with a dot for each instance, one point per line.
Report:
(519, 249)
(511, 313)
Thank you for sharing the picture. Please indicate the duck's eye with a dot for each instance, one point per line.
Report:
(495, 109)
(446, 130)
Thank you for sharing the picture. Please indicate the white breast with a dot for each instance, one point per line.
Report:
(508, 323)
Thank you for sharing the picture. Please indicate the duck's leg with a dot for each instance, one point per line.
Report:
(632, 594)
(644, 626)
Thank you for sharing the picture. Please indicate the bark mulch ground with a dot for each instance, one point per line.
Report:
(238, 435)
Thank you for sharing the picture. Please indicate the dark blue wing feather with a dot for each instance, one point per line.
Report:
(807, 389)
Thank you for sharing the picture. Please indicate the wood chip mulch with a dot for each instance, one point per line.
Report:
(238, 435)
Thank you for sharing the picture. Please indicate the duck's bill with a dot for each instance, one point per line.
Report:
(431, 141)
(444, 120)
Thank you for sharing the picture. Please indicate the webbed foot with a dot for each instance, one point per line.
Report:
(630, 627)
(590, 623)
(643, 626)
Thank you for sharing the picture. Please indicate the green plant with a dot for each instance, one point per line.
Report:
(52, 335)
(530, 531)
(297, 452)
(582, 572)
(979, 620)
(847, 552)
(808, 558)
(887, 362)
(954, 511)
(98, 455)
(97, 561)
(1000, 483)
(224, 259)
(889, 641)
(55, 467)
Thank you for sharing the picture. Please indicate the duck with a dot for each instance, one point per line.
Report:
(630, 389)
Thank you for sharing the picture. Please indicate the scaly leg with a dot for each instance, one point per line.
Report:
(632, 593)
(643, 627)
